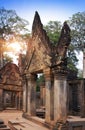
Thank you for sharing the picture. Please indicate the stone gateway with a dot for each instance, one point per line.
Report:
(43, 57)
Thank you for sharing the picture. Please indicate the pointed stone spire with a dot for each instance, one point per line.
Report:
(39, 32)
(37, 25)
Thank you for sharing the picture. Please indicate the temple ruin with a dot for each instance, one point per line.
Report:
(10, 87)
(61, 98)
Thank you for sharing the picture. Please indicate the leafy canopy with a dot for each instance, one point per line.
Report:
(53, 30)
(11, 25)
(77, 24)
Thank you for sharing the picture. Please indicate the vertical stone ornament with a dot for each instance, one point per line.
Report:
(60, 96)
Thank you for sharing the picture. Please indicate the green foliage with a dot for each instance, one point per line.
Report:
(11, 24)
(53, 29)
(80, 74)
(12, 28)
(77, 24)
(40, 79)
(72, 59)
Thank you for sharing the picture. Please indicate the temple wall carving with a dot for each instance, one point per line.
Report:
(10, 87)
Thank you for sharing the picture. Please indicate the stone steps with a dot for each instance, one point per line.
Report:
(1, 121)
(37, 120)
(3, 126)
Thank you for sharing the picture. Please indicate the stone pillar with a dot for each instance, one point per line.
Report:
(19, 104)
(81, 96)
(1, 99)
(60, 96)
(42, 94)
(13, 99)
(48, 103)
(24, 94)
(31, 95)
(16, 100)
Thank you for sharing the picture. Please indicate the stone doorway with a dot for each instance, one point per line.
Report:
(50, 60)
(9, 99)
(40, 95)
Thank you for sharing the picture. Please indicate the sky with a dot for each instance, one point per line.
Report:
(59, 10)
(48, 10)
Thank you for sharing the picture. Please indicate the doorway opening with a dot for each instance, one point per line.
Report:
(40, 95)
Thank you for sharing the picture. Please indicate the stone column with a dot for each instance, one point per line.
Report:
(1, 99)
(24, 94)
(31, 95)
(48, 103)
(16, 100)
(13, 99)
(60, 95)
(81, 97)
(42, 94)
(19, 104)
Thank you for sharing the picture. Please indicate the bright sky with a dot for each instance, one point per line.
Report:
(48, 10)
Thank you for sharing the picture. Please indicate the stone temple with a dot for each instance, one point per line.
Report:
(61, 100)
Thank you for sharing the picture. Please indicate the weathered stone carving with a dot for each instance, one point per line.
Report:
(59, 55)
(52, 62)
(10, 75)
(10, 87)
(41, 53)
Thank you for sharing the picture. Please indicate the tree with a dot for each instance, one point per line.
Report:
(12, 28)
(11, 25)
(53, 30)
(72, 58)
(77, 24)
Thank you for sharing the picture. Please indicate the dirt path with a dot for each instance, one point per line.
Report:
(10, 115)
(14, 114)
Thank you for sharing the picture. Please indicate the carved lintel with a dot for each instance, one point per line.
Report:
(59, 72)
(30, 76)
(47, 74)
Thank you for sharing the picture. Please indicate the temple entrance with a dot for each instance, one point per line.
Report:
(40, 96)
(42, 57)
(9, 99)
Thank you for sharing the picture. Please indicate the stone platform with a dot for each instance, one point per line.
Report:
(76, 123)
(24, 125)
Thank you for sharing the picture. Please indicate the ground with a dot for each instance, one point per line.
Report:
(17, 115)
